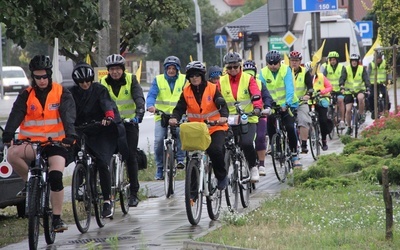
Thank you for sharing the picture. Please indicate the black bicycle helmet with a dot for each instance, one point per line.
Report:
(195, 67)
(250, 65)
(40, 62)
(115, 60)
(232, 57)
(214, 71)
(172, 60)
(83, 72)
(379, 54)
(273, 57)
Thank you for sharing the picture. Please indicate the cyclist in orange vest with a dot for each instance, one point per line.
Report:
(198, 101)
(46, 109)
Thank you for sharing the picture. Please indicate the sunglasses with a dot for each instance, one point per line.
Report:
(85, 80)
(194, 75)
(273, 63)
(40, 77)
(232, 67)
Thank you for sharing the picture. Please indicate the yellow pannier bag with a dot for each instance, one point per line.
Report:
(194, 136)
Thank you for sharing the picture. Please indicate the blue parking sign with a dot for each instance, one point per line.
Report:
(366, 29)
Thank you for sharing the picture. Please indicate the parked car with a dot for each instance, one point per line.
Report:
(14, 79)
(10, 186)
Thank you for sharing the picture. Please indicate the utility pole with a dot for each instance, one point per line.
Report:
(1, 65)
(198, 30)
(316, 31)
(104, 35)
(115, 24)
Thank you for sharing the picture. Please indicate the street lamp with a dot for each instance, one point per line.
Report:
(198, 31)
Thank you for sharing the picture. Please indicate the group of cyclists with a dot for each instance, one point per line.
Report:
(47, 109)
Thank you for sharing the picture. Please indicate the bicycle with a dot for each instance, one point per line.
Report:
(119, 183)
(239, 173)
(85, 187)
(334, 115)
(200, 181)
(280, 151)
(355, 116)
(169, 155)
(37, 204)
(314, 134)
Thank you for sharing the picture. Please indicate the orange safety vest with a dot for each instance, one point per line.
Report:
(39, 124)
(207, 111)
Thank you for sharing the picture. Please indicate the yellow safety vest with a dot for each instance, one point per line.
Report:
(334, 76)
(243, 95)
(354, 83)
(300, 87)
(381, 72)
(125, 103)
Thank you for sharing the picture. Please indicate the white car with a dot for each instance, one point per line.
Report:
(14, 79)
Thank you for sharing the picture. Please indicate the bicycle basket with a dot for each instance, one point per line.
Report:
(194, 136)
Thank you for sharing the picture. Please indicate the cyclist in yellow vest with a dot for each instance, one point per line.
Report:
(199, 102)
(125, 90)
(279, 81)
(46, 109)
(250, 67)
(333, 71)
(322, 87)
(382, 79)
(163, 95)
(238, 86)
(303, 83)
(354, 79)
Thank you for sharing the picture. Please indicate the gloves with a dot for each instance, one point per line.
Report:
(266, 111)
(7, 137)
(68, 141)
(257, 111)
(136, 120)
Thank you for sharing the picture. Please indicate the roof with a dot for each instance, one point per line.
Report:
(255, 22)
(235, 3)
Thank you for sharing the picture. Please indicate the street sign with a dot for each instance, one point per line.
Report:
(289, 39)
(314, 5)
(276, 43)
(366, 29)
(220, 41)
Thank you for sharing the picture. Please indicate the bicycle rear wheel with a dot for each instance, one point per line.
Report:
(81, 198)
(97, 198)
(169, 168)
(278, 157)
(232, 190)
(49, 234)
(214, 197)
(124, 189)
(244, 181)
(114, 184)
(193, 195)
(313, 138)
(34, 213)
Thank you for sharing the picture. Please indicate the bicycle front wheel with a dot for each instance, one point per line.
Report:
(81, 198)
(124, 190)
(49, 234)
(97, 198)
(278, 157)
(356, 123)
(114, 183)
(232, 190)
(244, 181)
(34, 213)
(169, 169)
(313, 138)
(193, 195)
(214, 197)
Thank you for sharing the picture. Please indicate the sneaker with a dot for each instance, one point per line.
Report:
(296, 162)
(341, 125)
(261, 171)
(304, 149)
(107, 210)
(349, 131)
(159, 178)
(255, 176)
(324, 146)
(362, 119)
(159, 174)
(180, 165)
(59, 225)
(222, 183)
(22, 193)
(133, 201)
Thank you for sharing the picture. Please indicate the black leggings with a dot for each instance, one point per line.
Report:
(216, 152)
(323, 120)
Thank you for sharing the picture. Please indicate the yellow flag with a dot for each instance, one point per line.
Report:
(191, 58)
(87, 59)
(286, 59)
(318, 55)
(347, 53)
(139, 71)
(376, 44)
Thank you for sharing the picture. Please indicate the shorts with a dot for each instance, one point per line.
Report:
(303, 118)
(349, 98)
(55, 150)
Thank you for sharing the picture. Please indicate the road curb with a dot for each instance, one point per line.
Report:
(195, 245)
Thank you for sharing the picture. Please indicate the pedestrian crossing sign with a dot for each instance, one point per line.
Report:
(220, 41)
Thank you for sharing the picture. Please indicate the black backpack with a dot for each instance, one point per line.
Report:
(141, 159)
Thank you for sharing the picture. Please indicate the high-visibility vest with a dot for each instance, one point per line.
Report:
(300, 87)
(334, 76)
(318, 84)
(167, 100)
(207, 110)
(41, 123)
(125, 103)
(381, 72)
(354, 83)
(243, 95)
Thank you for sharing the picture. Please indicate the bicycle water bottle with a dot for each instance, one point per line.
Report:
(244, 126)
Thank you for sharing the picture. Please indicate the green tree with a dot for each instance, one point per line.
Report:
(388, 18)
